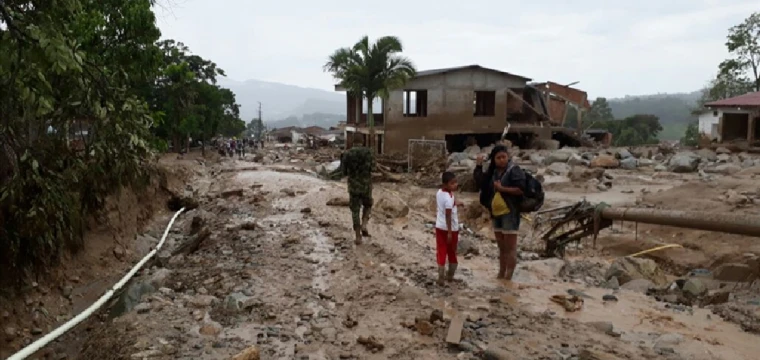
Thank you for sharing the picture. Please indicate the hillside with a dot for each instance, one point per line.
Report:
(674, 110)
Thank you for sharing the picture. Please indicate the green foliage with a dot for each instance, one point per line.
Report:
(633, 130)
(87, 95)
(600, 112)
(256, 129)
(371, 69)
(63, 71)
(743, 43)
(691, 135)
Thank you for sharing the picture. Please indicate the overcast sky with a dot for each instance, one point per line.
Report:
(614, 48)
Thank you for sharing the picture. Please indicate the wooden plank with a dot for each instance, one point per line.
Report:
(455, 330)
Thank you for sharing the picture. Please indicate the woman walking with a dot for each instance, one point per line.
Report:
(501, 191)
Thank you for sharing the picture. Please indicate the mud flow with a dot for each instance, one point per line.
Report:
(265, 267)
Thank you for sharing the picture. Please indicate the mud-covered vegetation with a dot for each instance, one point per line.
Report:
(87, 94)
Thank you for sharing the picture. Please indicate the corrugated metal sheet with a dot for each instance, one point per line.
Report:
(750, 99)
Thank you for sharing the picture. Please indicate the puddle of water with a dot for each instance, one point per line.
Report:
(323, 256)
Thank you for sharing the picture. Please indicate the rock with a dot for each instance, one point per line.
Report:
(724, 158)
(629, 163)
(578, 173)
(624, 154)
(603, 326)
(627, 268)
(424, 327)
(472, 150)
(707, 155)
(716, 298)
(455, 158)
(289, 192)
(609, 297)
(537, 159)
(36, 331)
(660, 168)
(119, 253)
(558, 169)
(668, 340)
(251, 353)
(392, 207)
(143, 308)
(466, 246)
(235, 301)
(231, 193)
(602, 187)
(722, 150)
(202, 301)
(638, 285)
(338, 201)
(147, 354)
(734, 272)
(645, 162)
(605, 161)
(694, 288)
(748, 163)
(685, 162)
(131, 297)
(559, 156)
(210, 328)
(10, 333)
(436, 315)
(725, 169)
(612, 284)
(577, 160)
(496, 354)
(159, 278)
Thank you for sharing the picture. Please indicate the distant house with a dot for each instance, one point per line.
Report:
(290, 134)
(561, 99)
(732, 119)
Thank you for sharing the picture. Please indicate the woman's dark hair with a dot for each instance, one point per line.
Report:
(492, 164)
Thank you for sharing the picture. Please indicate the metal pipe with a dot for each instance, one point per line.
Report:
(720, 222)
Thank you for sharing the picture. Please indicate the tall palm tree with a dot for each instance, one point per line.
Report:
(371, 70)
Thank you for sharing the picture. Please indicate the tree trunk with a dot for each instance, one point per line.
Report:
(371, 123)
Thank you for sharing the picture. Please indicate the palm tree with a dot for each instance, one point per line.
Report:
(372, 70)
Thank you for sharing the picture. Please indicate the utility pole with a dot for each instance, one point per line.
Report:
(261, 126)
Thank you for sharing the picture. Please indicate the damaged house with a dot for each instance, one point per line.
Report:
(458, 106)
(733, 119)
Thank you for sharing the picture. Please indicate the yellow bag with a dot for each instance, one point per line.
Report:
(499, 207)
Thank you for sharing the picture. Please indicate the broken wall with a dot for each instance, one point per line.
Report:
(450, 108)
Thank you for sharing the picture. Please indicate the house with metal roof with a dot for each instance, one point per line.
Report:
(732, 119)
(454, 106)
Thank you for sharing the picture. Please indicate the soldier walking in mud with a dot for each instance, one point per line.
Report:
(358, 164)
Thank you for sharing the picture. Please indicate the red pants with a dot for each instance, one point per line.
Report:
(442, 247)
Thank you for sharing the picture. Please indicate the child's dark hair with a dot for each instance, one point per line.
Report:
(492, 165)
(447, 176)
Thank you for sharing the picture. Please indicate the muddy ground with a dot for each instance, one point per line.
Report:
(275, 270)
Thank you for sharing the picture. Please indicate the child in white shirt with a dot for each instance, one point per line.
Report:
(446, 227)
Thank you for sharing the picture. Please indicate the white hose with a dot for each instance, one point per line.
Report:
(41, 342)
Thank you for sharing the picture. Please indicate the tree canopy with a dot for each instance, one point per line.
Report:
(87, 95)
(371, 69)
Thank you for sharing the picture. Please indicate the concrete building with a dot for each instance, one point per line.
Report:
(455, 105)
(732, 119)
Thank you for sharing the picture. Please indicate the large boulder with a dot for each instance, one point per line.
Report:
(579, 173)
(684, 162)
(559, 156)
(629, 163)
(624, 154)
(558, 169)
(605, 161)
(629, 268)
(537, 159)
(707, 155)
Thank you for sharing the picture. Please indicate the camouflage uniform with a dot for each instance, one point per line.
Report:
(358, 164)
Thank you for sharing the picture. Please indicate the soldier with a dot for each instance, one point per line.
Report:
(358, 164)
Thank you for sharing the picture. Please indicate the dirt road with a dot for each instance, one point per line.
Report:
(277, 271)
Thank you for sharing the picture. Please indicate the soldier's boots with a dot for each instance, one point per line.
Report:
(358, 236)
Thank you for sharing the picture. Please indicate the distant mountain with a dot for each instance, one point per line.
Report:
(314, 119)
(279, 101)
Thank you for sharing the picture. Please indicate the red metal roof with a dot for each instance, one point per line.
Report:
(750, 100)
